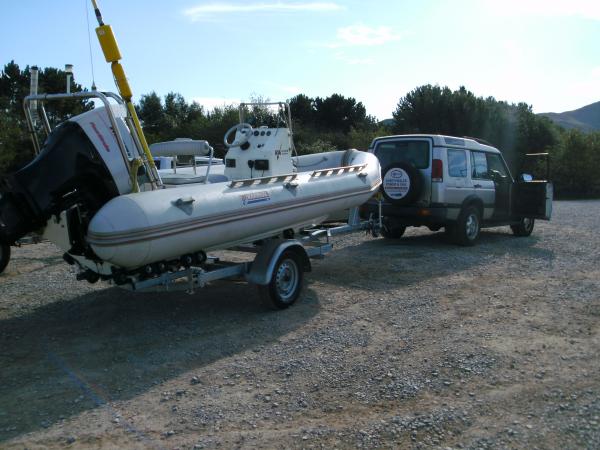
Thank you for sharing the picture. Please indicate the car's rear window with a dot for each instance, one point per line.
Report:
(413, 152)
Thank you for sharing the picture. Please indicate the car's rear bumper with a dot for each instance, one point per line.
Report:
(409, 215)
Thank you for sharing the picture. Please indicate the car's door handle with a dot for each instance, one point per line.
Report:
(477, 186)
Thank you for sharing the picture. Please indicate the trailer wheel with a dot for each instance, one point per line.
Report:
(4, 256)
(286, 282)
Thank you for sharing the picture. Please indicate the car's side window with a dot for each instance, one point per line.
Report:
(495, 163)
(479, 166)
(457, 163)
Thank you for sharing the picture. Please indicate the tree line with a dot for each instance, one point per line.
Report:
(334, 122)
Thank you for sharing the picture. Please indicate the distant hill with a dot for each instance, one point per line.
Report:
(387, 122)
(585, 119)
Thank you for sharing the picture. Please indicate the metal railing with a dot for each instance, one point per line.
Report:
(104, 97)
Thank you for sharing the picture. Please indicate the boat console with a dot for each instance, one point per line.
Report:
(258, 152)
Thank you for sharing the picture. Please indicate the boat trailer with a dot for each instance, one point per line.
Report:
(277, 269)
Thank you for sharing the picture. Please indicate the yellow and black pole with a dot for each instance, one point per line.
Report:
(112, 55)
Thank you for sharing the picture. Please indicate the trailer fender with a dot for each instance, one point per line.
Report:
(261, 269)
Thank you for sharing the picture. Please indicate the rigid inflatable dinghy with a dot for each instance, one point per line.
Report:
(95, 192)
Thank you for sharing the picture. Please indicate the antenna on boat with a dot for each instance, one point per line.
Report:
(87, 18)
(33, 90)
(112, 54)
(69, 72)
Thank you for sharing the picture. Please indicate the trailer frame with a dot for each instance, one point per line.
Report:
(263, 270)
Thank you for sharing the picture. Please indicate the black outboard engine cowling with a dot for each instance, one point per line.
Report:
(67, 172)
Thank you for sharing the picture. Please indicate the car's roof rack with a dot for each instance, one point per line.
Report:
(479, 140)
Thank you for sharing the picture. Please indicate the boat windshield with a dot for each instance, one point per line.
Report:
(413, 152)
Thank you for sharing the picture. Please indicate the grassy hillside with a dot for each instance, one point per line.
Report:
(585, 119)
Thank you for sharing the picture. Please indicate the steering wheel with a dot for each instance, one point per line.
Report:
(244, 128)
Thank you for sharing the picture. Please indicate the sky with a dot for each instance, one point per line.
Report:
(542, 52)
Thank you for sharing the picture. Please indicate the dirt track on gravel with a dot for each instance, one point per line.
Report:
(408, 343)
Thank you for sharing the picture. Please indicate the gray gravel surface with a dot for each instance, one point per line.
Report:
(409, 343)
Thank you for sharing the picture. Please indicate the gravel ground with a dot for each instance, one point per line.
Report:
(409, 343)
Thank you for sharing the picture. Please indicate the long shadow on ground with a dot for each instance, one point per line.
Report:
(74, 355)
(383, 264)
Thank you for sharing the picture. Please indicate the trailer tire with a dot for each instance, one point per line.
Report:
(4, 256)
(286, 282)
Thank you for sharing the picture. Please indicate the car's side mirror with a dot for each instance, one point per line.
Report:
(496, 175)
(526, 177)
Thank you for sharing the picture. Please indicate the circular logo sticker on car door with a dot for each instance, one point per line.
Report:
(396, 183)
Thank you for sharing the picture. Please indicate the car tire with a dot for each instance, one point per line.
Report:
(392, 231)
(402, 183)
(524, 227)
(468, 226)
(286, 282)
(4, 256)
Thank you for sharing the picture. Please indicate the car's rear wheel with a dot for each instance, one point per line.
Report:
(524, 227)
(468, 226)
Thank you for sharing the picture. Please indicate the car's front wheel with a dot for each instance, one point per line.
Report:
(524, 227)
(468, 226)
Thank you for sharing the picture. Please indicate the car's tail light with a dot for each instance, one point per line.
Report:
(437, 170)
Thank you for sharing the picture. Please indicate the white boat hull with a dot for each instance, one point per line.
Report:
(138, 229)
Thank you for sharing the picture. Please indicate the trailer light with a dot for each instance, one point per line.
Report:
(437, 170)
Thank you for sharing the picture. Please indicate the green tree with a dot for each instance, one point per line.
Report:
(303, 110)
(575, 161)
(152, 115)
(514, 129)
(339, 113)
(15, 146)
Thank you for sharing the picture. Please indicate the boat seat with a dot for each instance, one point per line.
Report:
(180, 147)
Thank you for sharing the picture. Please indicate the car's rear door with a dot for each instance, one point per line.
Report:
(533, 199)
(414, 151)
(482, 183)
(458, 185)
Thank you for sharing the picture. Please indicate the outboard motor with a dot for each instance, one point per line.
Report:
(69, 175)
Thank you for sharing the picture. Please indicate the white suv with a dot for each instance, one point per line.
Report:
(460, 184)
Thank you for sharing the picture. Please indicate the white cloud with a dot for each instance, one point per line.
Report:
(363, 35)
(211, 103)
(211, 9)
(588, 9)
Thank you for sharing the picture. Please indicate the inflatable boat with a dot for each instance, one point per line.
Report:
(95, 191)
(80, 192)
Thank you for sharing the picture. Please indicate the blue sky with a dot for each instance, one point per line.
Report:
(545, 53)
